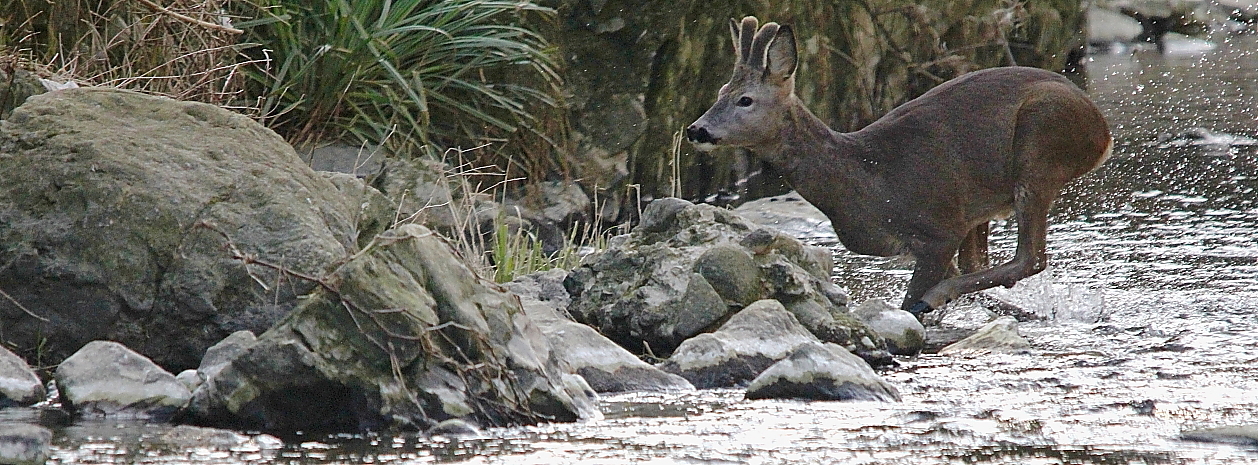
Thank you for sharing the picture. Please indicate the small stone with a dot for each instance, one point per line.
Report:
(822, 372)
(454, 427)
(903, 333)
(1246, 435)
(1001, 335)
(190, 379)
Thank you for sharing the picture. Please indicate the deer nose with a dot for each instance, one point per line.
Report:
(699, 135)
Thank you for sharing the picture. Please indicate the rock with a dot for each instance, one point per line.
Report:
(190, 379)
(1106, 27)
(19, 385)
(687, 267)
(605, 366)
(751, 341)
(1001, 335)
(219, 355)
(904, 334)
(339, 157)
(15, 88)
(432, 193)
(544, 286)
(1246, 435)
(791, 214)
(561, 202)
(106, 379)
(821, 372)
(99, 211)
(402, 336)
(187, 436)
(453, 427)
(22, 444)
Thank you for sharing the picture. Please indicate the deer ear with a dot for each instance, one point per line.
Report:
(733, 32)
(781, 57)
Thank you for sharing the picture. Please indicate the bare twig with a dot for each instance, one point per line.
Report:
(19, 305)
(189, 19)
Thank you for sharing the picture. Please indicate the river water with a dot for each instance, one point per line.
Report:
(1148, 329)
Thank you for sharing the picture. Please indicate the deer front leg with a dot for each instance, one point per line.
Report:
(930, 267)
(1030, 258)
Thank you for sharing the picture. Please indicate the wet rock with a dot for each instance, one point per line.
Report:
(821, 372)
(751, 341)
(187, 436)
(605, 366)
(1245, 435)
(18, 383)
(1001, 335)
(22, 444)
(453, 427)
(107, 379)
(904, 334)
(401, 337)
(687, 267)
(102, 194)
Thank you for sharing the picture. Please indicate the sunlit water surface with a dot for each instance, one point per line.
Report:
(1150, 328)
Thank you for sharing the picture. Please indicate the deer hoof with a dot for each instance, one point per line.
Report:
(920, 308)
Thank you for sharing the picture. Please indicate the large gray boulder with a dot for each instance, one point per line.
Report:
(18, 383)
(821, 372)
(751, 341)
(402, 336)
(106, 379)
(687, 267)
(101, 208)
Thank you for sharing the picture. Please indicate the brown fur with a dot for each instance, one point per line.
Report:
(927, 178)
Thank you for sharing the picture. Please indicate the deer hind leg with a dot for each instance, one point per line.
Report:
(1031, 211)
(972, 257)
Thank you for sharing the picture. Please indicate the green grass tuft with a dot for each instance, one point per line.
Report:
(409, 73)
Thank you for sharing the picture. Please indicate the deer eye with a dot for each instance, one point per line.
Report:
(744, 101)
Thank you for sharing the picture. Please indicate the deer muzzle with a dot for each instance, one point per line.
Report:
(701, 138)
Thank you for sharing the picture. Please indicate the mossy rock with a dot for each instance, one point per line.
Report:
(104, 209)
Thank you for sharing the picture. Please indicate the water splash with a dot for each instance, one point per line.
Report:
(1044, 296)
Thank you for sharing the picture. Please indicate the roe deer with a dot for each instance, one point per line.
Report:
(925, 179)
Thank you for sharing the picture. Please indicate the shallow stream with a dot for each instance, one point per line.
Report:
(1150, 328)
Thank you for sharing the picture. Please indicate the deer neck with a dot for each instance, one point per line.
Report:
(834, 171)
(806, 148)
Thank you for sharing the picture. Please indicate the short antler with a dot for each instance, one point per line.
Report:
(760, 44)
(743, 34)
(750, 45)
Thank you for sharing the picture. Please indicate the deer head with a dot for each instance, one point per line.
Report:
(753, 107)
